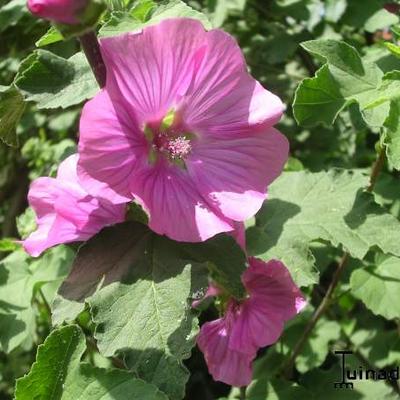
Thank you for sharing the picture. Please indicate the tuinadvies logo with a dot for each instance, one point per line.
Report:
(361, 373)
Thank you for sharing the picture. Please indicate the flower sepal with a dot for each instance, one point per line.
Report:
(88, 19)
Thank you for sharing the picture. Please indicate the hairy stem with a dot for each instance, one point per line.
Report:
(326, 301)
(91, 48)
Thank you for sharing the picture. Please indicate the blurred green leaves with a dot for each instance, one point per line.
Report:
(11, 13)
(11, 109)
(20, 279)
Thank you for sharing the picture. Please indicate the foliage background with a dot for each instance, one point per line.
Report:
(318, 210)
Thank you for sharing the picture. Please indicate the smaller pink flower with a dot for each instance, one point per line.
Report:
(231, 343)
(59, 11)
(65, 212)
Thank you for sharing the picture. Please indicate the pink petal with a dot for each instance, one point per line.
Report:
(271, 281)
(42, 195)
(111, 146)
(65, 212)
(223, 98)
(175, 207)
(273, 299)
(235, 172)
(256, 326)
(152, 69)
(224, 364)
(37, 241)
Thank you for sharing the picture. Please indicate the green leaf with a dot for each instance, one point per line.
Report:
(8, 245)
(51, 36)
(334, 9)
(391, 137)
(393, 48)
(226, 261)
(52, 81)
(56, 358)
(139, 287)
(345, 78)
(378, 287)
(295, 254)
(121, 22)
(316, 347)
(274, 389)
(219, 10)
(331, 206)
(20, 276)
(142, 9)
(12, 107)
(26, 222)
(178, 9)
(369, 15)
(319, 93)
(11, 13)
(380, 347)
(380, 20)
(89, 383)
(58, 374)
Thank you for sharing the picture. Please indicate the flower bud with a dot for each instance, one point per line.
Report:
(71, 17)
(59, 11)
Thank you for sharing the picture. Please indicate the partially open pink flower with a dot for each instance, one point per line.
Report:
(60, 11)
(65, 212)
(183, 128)
(230, 343)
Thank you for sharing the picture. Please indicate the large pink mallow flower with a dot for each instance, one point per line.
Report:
(65, 211)
(231, 343)
(59, 11)
(183, 128)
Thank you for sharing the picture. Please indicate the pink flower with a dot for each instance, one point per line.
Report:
(231, 343)
(183, 128)
(65, 212)
(60, 11)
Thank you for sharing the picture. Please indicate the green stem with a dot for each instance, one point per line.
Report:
(44, 300)
(243, 393)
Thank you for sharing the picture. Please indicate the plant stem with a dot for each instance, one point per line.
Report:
(323, 306)
(45, 303)
(288, 368)
(243, 393)
(376, 170)
(91, 48)
(116, 362)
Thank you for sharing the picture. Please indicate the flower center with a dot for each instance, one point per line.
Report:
(173, 147)
(168, 141)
